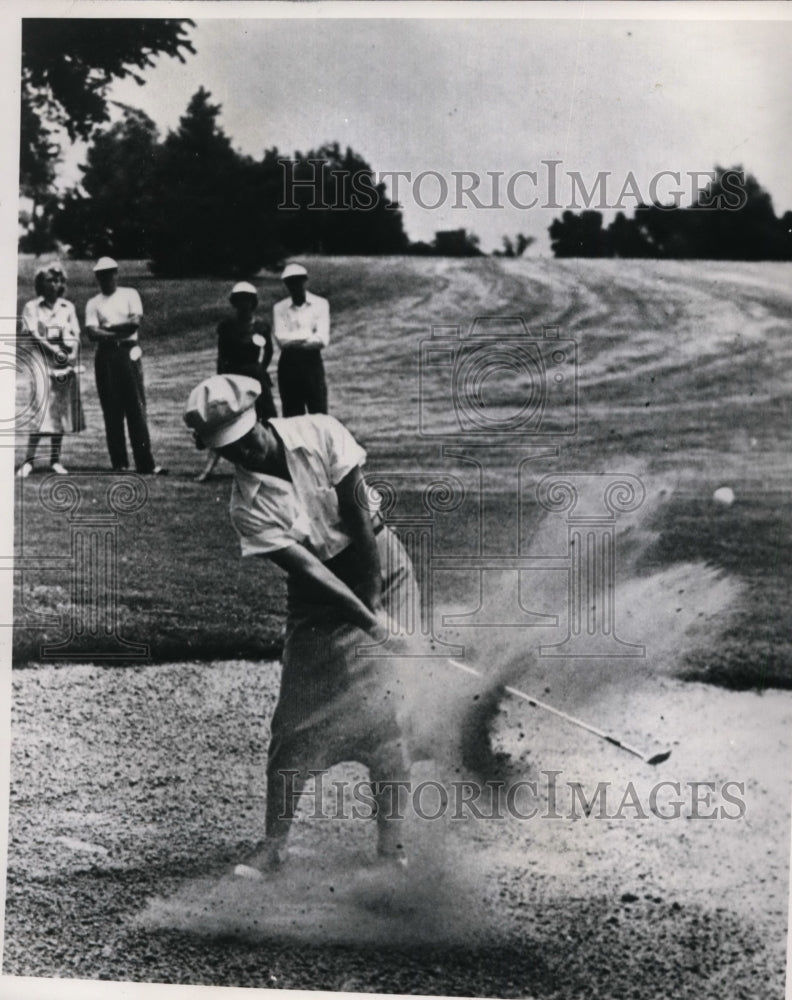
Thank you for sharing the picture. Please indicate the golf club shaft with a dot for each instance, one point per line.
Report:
(536, 703)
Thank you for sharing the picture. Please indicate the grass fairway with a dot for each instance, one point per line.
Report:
(683, 371)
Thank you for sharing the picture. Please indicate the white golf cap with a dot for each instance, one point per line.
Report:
(294, 271)
(221, 409)
(244, 288)
(106, 264)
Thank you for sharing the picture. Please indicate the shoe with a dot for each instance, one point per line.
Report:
(59, 469)
(395, 862)
(268, 856)
(269, 860)
(245, 871)
(159, 470)
(24, 470)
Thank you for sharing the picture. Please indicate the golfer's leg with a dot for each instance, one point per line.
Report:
(109, 392)
(389, 770)
(287, 774)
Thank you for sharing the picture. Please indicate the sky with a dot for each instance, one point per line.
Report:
(492, 95)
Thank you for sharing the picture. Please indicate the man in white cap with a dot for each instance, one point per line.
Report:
(112, 321)
(301, 328)
(296, 500)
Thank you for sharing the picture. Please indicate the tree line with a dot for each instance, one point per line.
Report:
(732, 218)
(192, 204)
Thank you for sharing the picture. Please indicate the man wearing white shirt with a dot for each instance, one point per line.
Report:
(112, 321)
(301, 328)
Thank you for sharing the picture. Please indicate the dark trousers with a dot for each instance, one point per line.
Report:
(301, 382)
(119, 382)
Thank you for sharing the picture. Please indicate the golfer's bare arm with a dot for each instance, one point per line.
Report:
(356, 519)
(299, 562)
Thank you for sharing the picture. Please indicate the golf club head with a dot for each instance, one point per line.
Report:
(659, 757)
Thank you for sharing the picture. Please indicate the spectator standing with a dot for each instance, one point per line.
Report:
(50, 321)
(244, 347)
(301, 327)
(112, 321)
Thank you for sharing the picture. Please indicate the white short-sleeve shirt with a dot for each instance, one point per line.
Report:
(269, 513)
(51, 322)
(300, 326)
(107, 310)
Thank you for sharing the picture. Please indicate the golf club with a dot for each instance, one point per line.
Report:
(656, 758)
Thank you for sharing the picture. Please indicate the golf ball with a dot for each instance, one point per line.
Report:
(724, 495)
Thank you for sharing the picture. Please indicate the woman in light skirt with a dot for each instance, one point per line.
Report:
(50, 327)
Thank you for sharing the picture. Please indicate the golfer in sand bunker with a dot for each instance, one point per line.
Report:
(299, 499)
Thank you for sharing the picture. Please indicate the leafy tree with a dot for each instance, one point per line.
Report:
(456, 243)
(516, 247)
(218, 212)
(204, 200)
(741, 227)
(39, 155)
(68, 65)
(785, 227)
(732, 219)
(421, 249)
(112, 212)
(38, 225)
(626, 238)
(522, 243)
(578, 235)
(338, 206)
